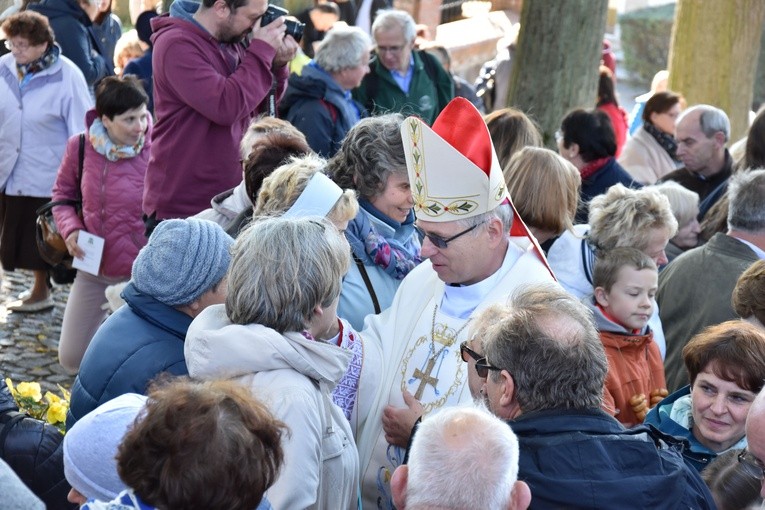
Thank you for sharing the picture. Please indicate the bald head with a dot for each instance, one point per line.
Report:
(701, 133)
(452, 445)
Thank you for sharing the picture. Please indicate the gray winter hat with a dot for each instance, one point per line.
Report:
(183, 260)
(90, 447)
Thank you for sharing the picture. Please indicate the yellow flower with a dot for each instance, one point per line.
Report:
(52, 398)
(65, 393)
(9, 383)
(30, 390)
(56, 412)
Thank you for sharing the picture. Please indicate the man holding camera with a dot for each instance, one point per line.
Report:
(216, 65)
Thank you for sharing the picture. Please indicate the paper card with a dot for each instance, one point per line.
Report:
(93, 246)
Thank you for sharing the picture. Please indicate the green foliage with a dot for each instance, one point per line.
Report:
(646, 35)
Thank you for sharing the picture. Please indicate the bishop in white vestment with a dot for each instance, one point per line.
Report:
(479, 252)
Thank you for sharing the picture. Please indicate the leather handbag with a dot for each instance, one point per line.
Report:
(50, 244)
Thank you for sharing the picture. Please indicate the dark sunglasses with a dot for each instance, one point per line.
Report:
(466, 351)
(440, 242)
(482, 368)
(751, 464)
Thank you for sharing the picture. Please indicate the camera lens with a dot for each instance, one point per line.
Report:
(295, 29)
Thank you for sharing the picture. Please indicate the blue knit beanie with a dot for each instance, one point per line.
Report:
(183, 260)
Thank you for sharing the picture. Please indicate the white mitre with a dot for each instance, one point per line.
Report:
(454, 171)
(453, 168)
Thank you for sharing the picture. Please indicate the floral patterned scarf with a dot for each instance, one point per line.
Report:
(104, 145)
(26, 71)
(393, 256)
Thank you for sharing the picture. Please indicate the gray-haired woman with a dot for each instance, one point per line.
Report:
(276, 334)
(382, 236)
(318, 101)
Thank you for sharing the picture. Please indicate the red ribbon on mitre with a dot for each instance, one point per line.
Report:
(461, 125)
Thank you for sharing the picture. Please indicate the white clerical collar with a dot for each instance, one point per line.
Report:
(460, 301)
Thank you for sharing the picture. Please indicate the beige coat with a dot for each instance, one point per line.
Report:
(644, 159)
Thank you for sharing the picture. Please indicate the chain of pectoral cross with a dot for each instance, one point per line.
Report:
(426, 377)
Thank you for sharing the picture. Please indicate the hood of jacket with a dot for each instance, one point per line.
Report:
(215, 348)
(60, 8)
(315, 83)
(615, 335)
(181, 15)
(155, 312)
(661, 417)
(184, 9)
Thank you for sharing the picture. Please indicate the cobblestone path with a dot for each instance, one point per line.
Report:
(29, 341)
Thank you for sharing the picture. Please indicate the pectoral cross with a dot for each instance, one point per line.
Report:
(425, 377)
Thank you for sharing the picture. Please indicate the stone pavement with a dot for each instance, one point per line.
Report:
(29, 341)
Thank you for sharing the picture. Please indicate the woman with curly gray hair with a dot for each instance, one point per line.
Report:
(277, 334)
(383, 240)
(622, 217)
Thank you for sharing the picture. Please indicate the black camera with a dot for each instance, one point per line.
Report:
(294, 28)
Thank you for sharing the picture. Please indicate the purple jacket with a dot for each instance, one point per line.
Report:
(204, 102)
(111, 192)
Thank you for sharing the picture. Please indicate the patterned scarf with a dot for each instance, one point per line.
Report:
(99, 139)
(592, 167)
(393, 256)
(25, 71)
(125, 500)
(667, 141)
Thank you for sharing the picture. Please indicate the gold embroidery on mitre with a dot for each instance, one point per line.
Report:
(415, 135)
(500, 192)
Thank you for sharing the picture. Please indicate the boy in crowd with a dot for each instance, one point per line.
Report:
(625, 281)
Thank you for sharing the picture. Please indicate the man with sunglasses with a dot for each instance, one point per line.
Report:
(402, 79)
(479, 252)
(752, 457)
(544, 370)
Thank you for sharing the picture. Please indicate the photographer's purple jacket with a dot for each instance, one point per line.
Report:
(205, 94)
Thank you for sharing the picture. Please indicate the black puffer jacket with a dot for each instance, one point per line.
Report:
(34, 450)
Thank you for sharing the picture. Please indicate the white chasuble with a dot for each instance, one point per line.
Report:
(421, 355)
(431, 371)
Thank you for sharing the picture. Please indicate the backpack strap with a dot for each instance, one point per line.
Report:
(332, 109)
(368, 283)
(429, 62)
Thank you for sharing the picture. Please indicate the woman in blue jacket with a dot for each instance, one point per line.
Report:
(176, 276)
(726, 367)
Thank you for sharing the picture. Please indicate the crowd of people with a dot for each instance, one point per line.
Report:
(342, 285)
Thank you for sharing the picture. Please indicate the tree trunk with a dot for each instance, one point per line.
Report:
(555, 65)
(713, 55)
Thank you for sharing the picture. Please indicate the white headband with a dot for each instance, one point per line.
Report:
(317, 199)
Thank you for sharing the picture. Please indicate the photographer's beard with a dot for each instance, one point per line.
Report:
(227, 36)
